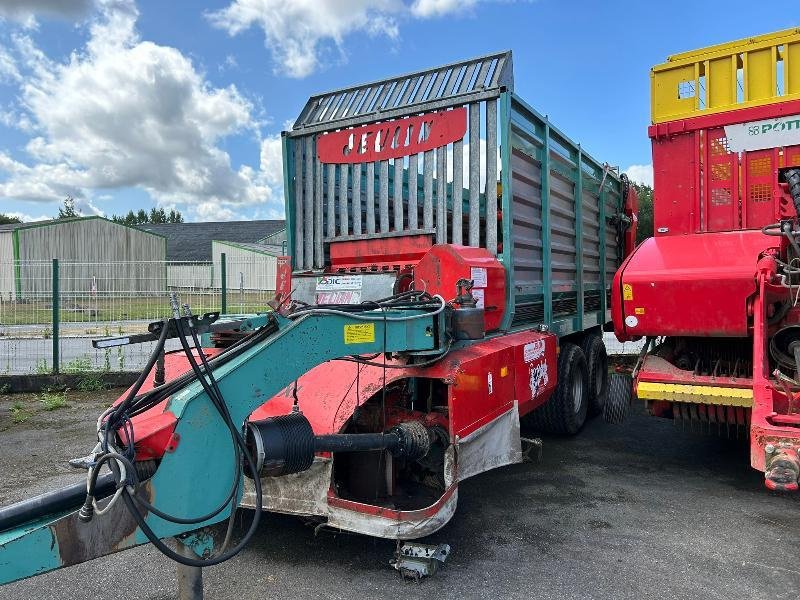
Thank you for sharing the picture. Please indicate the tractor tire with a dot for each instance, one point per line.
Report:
(565, 411)
(620, 396)
(597, 366)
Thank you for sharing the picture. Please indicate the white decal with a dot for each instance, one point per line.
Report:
(631, 321)
(490, 383)
(344, 297)
(337, 283)
(480, 296)
(539, 378)
(533, 351)
(770, 133)
(478, 276)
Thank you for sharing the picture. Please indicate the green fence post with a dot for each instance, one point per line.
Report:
(56, 315)
(223, 273)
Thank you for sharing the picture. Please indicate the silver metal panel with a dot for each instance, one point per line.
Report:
(358, 212)
(491, 175)
(413, 206)
(308, 204)
(395, 96)
(563, 248)
(458, 191)
(298, 203)
(527, 225)
(331, 201)
(474, 173)
(319, 255)
(427, 190)
(441, 195)
(383, 195)
(480, 80)
(370, 197)
(397, 194)
(344, 224)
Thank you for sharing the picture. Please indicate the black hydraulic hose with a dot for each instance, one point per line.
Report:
(220, 406)
(55, 501)
(793, 181)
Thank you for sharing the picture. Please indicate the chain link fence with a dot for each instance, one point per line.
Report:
(51, 310)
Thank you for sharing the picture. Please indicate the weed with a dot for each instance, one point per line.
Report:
(82, 364)
(42, 367)
(18, 412)
(91, 383)
(47, 333)
(53, 400)
(5, 389)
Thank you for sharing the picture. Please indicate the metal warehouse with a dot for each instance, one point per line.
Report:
(27, 249)
(247, 266)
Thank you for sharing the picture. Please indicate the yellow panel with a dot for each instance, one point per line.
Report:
(721, 81)
(696, 394)
(791, 70)
(760, 72)
(666, 87)
(719, 64)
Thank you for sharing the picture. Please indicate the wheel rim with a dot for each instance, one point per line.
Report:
(577, 392)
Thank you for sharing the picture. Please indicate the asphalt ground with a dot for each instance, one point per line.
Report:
(642, 510)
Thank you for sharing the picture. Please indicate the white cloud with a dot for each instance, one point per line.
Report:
(438, 8)
(127, 113)
(298, 32)
(25, 11)
(26, 218)
(640, 174)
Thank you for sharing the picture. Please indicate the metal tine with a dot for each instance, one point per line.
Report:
(370, 197)
(441, 195)
(357, 212)
(458, 193)
(335, 108)
(464, 86)
(318, 206)
(474, 173)
(413, 206)
(435, 88)
(498, 69)
(392, 101)
(383, 195)
(480, 81)
(397, 194)
(343, 106)
(382, 96)
(491, 176)
(331, 199)
(451, 83)
(412, 85)
(427, 188)
(298, 202)
(354, 104)
(368, 98)
(344, 224)
(308, 204)
(319, 115)
(422, 88)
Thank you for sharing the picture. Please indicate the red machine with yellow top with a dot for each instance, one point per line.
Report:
(715, 291)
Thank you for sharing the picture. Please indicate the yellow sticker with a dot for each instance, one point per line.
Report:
(639, 310)
(360, 333)
(627, 291)
(503, 371)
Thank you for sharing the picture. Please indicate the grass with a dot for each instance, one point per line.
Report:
(18, 412)
(53, 400)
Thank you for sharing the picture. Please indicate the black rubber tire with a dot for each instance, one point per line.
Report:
(620, 396)
(793, 181)
(597, 366)
(562, 413)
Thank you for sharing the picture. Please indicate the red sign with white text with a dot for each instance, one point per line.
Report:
(283, 284)
(393, 139)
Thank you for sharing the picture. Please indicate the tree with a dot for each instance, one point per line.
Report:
(645, 214)
(142, 217)
(68, 210)
(4, 219)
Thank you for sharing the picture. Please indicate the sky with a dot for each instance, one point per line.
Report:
(127, 104)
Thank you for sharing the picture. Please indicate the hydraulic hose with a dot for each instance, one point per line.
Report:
(793, 181)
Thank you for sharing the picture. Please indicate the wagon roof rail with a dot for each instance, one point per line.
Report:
(432, 89)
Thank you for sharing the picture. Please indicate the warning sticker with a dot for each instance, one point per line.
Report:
(627, 292)
(639, 310)
(360, 333)
(478, 276)
(480, 297)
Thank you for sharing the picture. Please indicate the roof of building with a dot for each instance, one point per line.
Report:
(192, 241)
(49, 222)
(271, 249)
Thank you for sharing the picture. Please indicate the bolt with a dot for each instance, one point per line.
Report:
(543, 328)
(769, 449)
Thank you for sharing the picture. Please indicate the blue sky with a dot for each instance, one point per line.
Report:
(129, 105)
